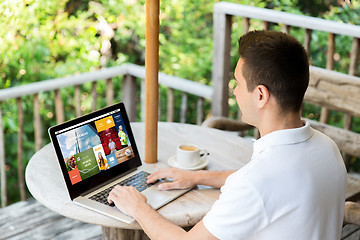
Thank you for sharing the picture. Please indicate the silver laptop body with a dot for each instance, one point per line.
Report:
(97, 151)
(155, 198)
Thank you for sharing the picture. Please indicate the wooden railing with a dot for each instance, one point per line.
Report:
(223, 14)
(130, 73)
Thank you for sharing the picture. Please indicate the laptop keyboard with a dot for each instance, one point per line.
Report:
(138, 181)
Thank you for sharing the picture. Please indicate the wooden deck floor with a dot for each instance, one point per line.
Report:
(31, 220)
(350, 232)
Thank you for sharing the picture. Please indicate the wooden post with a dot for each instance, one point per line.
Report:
(286, 29)
(354, 57)
(142, 99)
(59, 108)
(221, 64)
(2, 165)
(20, 150)
(353, 70)
(129, 96)
(159, 107)
(325, 112)
(37, 123)
(246, 25)
(183, 108)
(93, 96)
(199, 111)
(307, 41)
(109, 92)
(170, 105)
(330, 51)
(151, 80)
(266, 25)
(77, 100)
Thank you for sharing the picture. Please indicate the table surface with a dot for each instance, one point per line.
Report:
(227, 152)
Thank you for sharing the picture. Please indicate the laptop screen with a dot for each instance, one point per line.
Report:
(95, 144)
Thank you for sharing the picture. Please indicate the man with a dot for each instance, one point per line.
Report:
(111, 145)
(294, 185)
(123, 137)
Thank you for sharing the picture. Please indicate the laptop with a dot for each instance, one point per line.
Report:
(98, 151)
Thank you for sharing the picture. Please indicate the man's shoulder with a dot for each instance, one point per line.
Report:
(323, 140)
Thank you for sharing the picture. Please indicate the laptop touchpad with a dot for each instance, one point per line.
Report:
(154, 196)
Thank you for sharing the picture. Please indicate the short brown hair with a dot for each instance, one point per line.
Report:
(277, 61)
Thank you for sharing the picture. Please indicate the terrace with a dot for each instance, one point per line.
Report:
(329, 89)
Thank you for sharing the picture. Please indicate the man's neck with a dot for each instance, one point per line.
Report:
(277, 122)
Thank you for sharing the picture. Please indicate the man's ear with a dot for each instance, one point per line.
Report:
(263, 95)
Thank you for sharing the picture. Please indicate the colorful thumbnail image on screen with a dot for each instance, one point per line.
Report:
(95, 147)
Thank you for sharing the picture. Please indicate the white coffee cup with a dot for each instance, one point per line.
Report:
(188, 155)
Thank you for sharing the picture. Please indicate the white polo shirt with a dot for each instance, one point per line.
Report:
(293, 188)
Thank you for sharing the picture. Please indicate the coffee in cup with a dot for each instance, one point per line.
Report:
(188, 148)
(188, 155)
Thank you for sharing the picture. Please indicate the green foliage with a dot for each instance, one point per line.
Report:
(40, 41)
(348, 12)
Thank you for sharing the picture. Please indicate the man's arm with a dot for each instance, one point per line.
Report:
(185, 179)
(133, 203)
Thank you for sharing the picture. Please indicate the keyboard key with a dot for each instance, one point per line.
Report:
(138, 181)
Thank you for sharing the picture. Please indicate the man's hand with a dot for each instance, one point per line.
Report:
(187, 179)
(181, 178)
(127, 199)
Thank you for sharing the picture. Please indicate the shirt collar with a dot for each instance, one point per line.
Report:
(283, 137)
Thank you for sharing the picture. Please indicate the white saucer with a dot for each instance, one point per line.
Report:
(173, 163)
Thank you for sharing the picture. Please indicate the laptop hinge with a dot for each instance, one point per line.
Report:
(107, 182)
